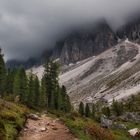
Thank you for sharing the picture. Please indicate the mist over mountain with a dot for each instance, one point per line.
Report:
(84, 42)
(27, 28)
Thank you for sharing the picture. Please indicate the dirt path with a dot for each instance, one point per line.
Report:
(46, 128)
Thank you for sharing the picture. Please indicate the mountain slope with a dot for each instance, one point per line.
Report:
(111, 74)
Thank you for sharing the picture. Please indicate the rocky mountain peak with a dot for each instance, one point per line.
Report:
(83, 44)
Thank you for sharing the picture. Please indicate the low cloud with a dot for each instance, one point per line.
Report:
(28, 27)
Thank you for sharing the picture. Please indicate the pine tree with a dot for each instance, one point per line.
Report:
(2, 75)
(31, 93)
(54, 72)
(42, 95)
(60, 100)
(81, 109)
(65, 102)
(117, 108)
(106, 111)
(36, 91)
(20, 85)
(48, 84)
(93, 111)
(52, 85)
(57, 97)
(69, 107)
(10, 81)
(87, 110)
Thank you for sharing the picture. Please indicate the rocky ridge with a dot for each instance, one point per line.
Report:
(113, 74)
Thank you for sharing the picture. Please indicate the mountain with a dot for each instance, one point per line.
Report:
(113, 74)
(130, 30)
(99, 63)
(85, 43)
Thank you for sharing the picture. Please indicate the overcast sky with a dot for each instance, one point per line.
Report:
(27, 27)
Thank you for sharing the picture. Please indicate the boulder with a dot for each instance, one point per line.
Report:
(33, 129)
(120, 126)
(33, 117)
(43, 129)
(106, 123)
(131, 117)
(134, 132)
(25, 129)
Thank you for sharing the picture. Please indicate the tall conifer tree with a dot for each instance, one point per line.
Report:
(42, 95)
(37, 91)
(20, 84)
(87, 110)
(81, 109)
(31, 93)
(2, 75)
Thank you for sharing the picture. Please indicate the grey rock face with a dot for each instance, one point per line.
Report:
(131, 117)
(131, 31)
(83, 44)
(120, 126)
(106, 123)
(123, 55)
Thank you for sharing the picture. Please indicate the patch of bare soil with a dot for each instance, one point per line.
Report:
(45, 128)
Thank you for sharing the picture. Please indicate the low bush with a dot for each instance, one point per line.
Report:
(99, 133)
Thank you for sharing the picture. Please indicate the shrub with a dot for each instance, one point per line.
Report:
(99, 133)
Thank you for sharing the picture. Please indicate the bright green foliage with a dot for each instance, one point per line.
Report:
(87, 110)
(2, 75)
(20, 85)
(81, 109)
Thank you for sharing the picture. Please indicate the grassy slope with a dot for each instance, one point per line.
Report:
(12, 119)
(78, 126)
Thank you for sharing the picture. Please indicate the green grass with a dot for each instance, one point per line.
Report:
(78, 125)
(12, 119)
(123, 134)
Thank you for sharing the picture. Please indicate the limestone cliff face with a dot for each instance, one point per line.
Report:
(131, 31)
(83, 44)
